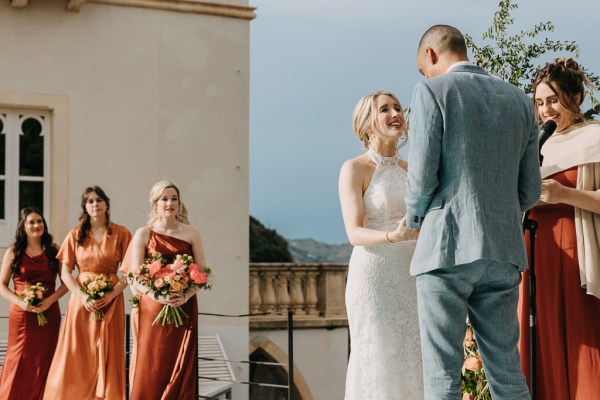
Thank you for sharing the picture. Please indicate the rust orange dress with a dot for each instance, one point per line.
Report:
(30, 346)
(568, 332)
(89, 362)
(163, 364)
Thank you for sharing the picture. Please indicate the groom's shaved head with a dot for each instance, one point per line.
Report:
(444, 38)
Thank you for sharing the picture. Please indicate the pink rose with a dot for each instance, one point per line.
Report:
(468, 396)
(472, 363)
(197, 274)
(158, 283)
(178, 265)
(468, 342)
(154, 267)
(39, 294)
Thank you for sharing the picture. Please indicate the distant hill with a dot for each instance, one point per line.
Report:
(310, 250)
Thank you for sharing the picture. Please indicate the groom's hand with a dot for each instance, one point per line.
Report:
(403, 232)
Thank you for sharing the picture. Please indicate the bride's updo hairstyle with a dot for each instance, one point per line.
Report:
(363, 122)
(567, 80)
(155, 195)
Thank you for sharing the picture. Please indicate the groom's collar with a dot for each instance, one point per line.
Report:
(457, 64)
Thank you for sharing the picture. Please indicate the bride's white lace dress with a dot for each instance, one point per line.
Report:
(385, 356)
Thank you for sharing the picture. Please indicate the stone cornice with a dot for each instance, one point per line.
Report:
(187, 6)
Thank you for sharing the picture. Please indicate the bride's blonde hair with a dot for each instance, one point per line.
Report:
(156, 193)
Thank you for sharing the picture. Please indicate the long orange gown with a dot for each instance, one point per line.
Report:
(163, 364)
(89, 362)
(568, 332)
(30, 346)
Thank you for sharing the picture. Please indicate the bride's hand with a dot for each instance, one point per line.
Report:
(403, 232)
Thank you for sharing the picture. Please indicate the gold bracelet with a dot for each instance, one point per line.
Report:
(387, 237)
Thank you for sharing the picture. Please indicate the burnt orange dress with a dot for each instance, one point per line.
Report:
(163, 364)
(89, 362)
(568, 332)
(30, 346)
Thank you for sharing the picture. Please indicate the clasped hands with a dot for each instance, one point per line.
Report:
(552, 191)
(402, 232)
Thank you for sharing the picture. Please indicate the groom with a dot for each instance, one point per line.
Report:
(473, 169)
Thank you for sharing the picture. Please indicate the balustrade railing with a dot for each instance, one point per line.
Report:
(313, 291)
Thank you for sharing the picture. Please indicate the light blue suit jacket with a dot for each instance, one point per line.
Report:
(473, 169)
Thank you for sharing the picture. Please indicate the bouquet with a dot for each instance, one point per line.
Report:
(474, 384)
(182, 276)
(33, 295)
(96, 288)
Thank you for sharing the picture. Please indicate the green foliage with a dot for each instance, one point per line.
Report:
(266, 245)
(512, 57)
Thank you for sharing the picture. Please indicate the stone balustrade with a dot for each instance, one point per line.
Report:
(313, 291)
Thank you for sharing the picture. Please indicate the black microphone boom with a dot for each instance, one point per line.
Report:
(546, 131)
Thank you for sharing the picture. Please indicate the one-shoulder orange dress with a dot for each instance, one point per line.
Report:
(30, 346)
(163, 363)
(89, 363)
(568, 332)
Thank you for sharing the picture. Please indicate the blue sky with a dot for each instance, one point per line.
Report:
(310, 62)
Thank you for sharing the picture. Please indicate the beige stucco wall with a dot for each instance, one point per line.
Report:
(150, 95)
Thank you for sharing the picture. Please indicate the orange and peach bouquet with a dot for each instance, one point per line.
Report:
(96, 288)
(33, 295)
(163, 279)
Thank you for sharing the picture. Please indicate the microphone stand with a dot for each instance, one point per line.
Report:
(531, 226)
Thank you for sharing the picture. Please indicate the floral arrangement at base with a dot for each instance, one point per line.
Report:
(474, 384)
(162, 279)
(33, 295)
(96, 288)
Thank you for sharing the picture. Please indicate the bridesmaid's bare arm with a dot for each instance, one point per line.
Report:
(5, 275)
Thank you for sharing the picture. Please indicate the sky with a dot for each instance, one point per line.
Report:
(312, 60)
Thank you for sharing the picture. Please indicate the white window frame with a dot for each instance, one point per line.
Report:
(12, 129)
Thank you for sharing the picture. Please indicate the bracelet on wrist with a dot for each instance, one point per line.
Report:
(387, 237)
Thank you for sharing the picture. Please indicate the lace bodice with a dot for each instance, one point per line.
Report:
(384, 198)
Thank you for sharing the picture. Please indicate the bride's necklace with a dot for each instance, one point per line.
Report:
(383, 160)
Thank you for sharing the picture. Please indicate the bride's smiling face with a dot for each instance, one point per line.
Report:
(389, 118)
(168, 203)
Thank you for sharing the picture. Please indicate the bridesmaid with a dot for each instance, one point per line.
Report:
(166, 355)
(89, 362)
(31, 259)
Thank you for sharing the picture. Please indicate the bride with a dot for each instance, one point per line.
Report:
(385, 356)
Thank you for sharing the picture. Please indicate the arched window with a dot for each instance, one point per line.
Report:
(24, 166)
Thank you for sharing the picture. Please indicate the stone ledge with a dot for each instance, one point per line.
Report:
(187, 6)
(300, 322)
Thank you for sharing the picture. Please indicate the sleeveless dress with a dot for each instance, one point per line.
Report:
(163, 364)
(567, 332)
(30, 346)
(89, 362)
(381, 300)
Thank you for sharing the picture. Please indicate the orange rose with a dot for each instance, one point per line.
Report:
(197, 274)
(472, 363)
(468, 396)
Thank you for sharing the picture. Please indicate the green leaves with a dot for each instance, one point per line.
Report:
(513, 57)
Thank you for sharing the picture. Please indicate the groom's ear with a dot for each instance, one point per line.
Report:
(431, 55)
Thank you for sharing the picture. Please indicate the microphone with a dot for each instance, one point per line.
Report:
(546, 131)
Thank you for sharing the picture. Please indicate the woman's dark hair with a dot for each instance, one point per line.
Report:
(20, 244)
(84, 218)
(567, 80)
